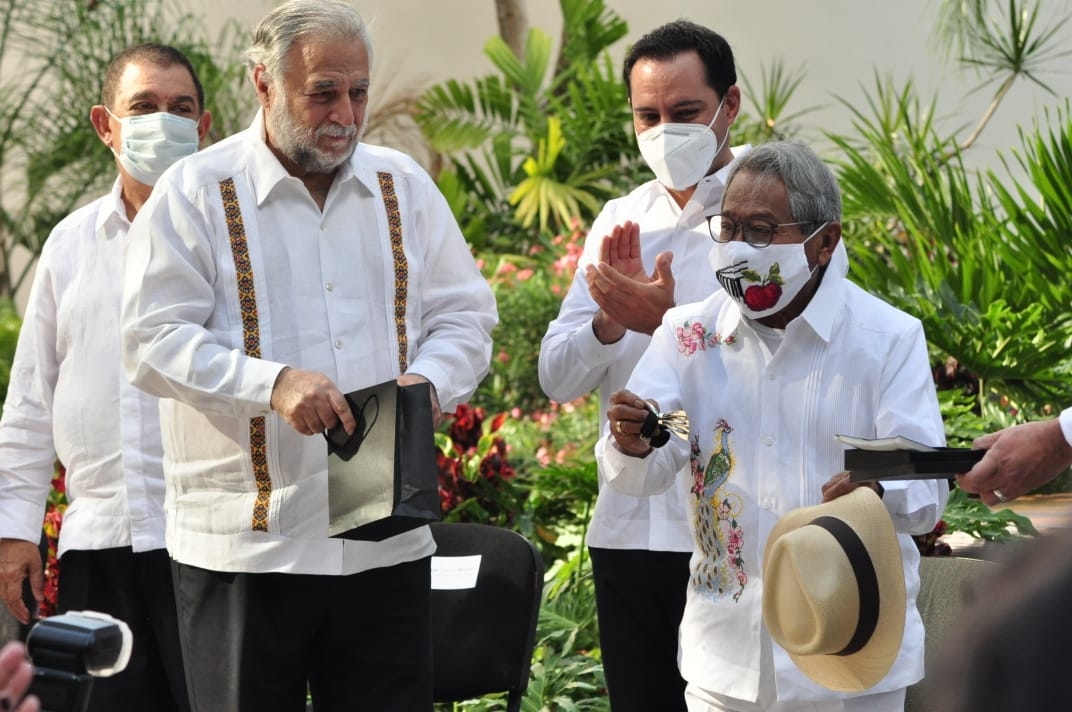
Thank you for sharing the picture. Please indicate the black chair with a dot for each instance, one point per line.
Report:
(483, 635)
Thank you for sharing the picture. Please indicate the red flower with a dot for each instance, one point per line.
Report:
(466, 429)
(59, 479)
(473, 471)
(53, 522)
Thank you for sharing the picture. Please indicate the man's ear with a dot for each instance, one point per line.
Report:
(828, 240)
(102, 124)
(203, 125)
(262, 84)
(731, 103)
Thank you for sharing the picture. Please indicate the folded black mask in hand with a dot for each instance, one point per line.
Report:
(345, 445)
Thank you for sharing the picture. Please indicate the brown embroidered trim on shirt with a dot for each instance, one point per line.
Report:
(394, 226)
(251, 338)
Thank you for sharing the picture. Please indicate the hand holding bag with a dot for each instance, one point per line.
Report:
(382, 478)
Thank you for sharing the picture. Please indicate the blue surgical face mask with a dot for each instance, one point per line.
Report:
(150, 143)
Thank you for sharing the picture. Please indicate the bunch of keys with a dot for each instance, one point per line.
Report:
(657, 426)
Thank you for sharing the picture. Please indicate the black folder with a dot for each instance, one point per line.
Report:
(904, 459)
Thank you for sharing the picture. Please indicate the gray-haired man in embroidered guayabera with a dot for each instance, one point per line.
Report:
(285, 267)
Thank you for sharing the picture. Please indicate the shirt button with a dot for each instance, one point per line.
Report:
(330, 286)
(338, 343)
(771, 375)
(768, 441)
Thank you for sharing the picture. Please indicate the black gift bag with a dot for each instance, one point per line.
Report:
(382, 478)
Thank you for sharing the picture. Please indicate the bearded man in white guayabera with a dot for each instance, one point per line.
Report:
(271, 275)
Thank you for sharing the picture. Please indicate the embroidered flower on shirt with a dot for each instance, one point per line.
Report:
(693, 337)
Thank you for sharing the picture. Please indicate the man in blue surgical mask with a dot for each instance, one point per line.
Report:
(151, 116)
(645, 252)
(68, 398)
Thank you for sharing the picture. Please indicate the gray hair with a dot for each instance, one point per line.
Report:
(814, 197)
(283, 26)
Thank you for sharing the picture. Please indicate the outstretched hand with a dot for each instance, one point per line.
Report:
(629, 298)
(1017, 460)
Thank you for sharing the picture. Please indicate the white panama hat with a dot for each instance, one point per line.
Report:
(834, 590)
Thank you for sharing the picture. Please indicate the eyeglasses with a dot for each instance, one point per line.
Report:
(757, 232)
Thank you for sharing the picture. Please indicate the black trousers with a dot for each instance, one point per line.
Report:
(640, 597)
(257, 642)
(136, 588)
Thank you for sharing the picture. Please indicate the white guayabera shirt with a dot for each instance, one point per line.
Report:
(327, 300)
(762, 442)
(68, 398)
(573, 361)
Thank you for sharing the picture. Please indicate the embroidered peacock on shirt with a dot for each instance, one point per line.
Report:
(720, 572)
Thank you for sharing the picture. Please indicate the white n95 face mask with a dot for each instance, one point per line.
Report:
(152, 142)
(680, 154)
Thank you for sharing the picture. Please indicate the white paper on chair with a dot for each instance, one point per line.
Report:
(451, 573)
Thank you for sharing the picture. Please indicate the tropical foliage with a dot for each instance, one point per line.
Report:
(982, 258)
(9, 336)
(51, 160)
(541, 143)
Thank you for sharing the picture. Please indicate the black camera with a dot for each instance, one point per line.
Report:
(70, 650)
